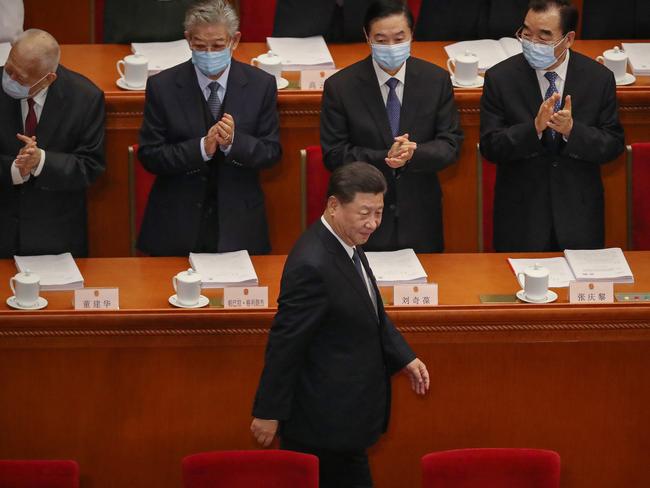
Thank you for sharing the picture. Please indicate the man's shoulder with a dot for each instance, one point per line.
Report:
(593, 67)
(309, 250)
(252, 73)
(77, 84)
(345, 75)
(426, 68)
(507, 66)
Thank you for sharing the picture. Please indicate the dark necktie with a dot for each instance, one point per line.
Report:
(393, 106)
(30, 120)
(551, 76)
(213, 100)
(356, 259)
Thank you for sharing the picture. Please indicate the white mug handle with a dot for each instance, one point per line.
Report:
(255, 62)
(174, 283)
(451, 62)
(600, 59)
(11, 285)
(117, 65)
(522, 282)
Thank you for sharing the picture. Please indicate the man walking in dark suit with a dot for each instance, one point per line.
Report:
(332, 348)
(210, 125)
(549, 119)
(397, 113)
(51, 150)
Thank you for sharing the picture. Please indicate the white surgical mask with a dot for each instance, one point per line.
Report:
(540, 56)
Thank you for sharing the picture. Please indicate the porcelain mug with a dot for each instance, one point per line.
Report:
(135, 70)
(616, 60)
(26, 287)
(465, 68)
(187, 285)
(535, 282)
(269, 62)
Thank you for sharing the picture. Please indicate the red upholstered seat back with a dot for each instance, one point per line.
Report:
(639, 174)
(415, 5)
(141, 183)
(99, 21)
(248, 469)
(315, 180)
(39, 474)
(491, 468)
(256, 18)
(487, 173)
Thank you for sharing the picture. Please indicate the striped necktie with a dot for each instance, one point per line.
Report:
(393, 106)
(213, 100)
(551, 76)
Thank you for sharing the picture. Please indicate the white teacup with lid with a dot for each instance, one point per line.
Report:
(534, 279)
(133, 70)
(269, 62)
(465, 68)
(616, 60)
(26, 287)
(187, 285)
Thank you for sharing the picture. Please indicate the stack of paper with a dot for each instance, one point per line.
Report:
(300, 53)
(580, 265)
(163, 55)
(58, 272)
(638, 54)
(396, 268)
(225, 269)
(489, 51)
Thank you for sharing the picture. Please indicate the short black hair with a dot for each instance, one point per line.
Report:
(352, 178)
(381, 9)
(568, 13)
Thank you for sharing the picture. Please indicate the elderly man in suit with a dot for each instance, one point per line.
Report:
(51, 150)
(210, 125)
(332, 348)
(549, 120)
(397, 113)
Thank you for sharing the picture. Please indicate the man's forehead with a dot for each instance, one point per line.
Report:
(548, 20)
(209, 32)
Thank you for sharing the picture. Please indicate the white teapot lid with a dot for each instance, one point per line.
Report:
(615, 54)
(189, 276)
(269, 58)
(27, 277)
(537, 271)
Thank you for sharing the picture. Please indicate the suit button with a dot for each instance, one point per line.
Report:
(392, 207)
(199, 205)
(555, 164)
(203, 178)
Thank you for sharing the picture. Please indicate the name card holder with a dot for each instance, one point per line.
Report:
(97, 299)
(591, 292)
(314, 79)
(246, 297)
(420, 295)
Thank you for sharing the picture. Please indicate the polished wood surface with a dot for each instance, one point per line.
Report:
(129, 393)
(299, 119)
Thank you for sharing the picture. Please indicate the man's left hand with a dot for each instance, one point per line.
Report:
(29, 156)
(417, 372)
(225, 129)
(562, 120)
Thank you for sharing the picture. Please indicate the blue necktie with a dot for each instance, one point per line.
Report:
(551, 76)
(393, 106)
(213, 100)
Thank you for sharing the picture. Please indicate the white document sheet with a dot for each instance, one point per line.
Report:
(163, 55)
(639, 57)
(301, 53)
(559, 272)
(600, 265)
(57, 272)
(5, 47)
(489, 51)
(396, 268)
(224, 269)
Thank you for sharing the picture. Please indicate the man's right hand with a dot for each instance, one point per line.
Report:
(546, 111)
(264, 431)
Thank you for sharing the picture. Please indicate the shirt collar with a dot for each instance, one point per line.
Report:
(383, 77)
(39, 98)
(204, 81)
(560, 70)
(349, 249)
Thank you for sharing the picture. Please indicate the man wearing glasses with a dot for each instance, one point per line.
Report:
(210, 124)
(549, 119)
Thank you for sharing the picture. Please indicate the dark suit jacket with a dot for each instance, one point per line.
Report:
(47, 214)
(541, 185)
(173, 126)
(354, 127)
(330, 356)
(451, 20)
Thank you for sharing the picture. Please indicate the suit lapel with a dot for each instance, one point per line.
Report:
(13, 119)
(411, 99)
(235, 92)
(530, 86)
(54, 110)
(192, 100)
(371, 95)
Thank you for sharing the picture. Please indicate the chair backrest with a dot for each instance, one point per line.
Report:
(638, 203)
(256, 19)
(39, 474)
(415, 5)
(245, 469)
(486, 176)
(491, 468)
(98, 13)
(314, 180)
(140, 183)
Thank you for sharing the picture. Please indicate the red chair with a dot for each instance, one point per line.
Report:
(140, 183)
(256, 18)
(39, 474)
(314, 178)
(98, 5)
(638, 204)
(491, 468)
(486, 173)
(247, 469)
(415, 5)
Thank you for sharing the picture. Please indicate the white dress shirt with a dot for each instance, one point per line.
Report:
(222, 83)
(39, 102)
(383, 77)
(559, 82)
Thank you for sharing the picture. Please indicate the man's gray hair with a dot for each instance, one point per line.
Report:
(41, 47)
(212, 12)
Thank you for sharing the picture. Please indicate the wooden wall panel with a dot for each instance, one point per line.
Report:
(69, 21)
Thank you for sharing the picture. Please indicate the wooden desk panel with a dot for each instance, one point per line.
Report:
(299, 120)
(129, 393)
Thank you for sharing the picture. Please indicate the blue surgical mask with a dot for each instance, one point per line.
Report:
(391, 56)
(211, 63)
(15, 89)
(539, 56)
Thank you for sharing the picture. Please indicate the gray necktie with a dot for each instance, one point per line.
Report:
(393, 106)
(356, 259)
(213, 100)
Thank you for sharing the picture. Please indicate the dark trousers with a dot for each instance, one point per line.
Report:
(337, 469)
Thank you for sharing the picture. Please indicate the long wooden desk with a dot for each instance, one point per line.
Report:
(129, 393)
(299, 119)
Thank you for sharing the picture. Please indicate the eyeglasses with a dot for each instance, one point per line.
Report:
(522, 35)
